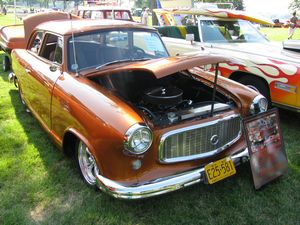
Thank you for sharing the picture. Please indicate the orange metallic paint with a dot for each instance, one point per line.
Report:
(17, 36)
(64, 103)
(12, 37)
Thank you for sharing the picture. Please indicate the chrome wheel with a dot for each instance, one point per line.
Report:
(257, 85)
(87, 164)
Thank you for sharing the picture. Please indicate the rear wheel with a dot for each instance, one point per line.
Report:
(86, 164)
(17, 84)
(258, 85)
(5, 63)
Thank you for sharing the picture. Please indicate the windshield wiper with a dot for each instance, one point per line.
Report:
(120, 61)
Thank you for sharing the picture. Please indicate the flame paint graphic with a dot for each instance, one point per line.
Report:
(271, 72)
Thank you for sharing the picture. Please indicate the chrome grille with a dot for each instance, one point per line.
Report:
(199, 141)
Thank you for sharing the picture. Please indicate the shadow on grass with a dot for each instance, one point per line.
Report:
(56, 194)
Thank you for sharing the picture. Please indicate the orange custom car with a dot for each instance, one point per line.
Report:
(139, 123)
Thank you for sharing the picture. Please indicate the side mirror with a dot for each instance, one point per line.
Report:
(53, 68)
(190, 37)
(292, 45)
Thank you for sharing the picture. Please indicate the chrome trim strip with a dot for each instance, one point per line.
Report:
(286, 87)
(201, 155)
(161, 185)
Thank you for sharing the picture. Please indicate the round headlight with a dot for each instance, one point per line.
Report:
(138, 139)
(259, 104)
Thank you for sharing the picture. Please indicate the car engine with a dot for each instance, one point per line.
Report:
(168, 100)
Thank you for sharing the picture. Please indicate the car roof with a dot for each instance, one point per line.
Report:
(66, 27)
(102, 8)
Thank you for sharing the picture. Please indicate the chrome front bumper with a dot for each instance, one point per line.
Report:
(161, 185)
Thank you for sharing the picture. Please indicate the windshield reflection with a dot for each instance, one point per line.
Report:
(95, 50)
(230, 31)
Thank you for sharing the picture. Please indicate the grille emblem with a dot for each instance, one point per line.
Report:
(214, 139)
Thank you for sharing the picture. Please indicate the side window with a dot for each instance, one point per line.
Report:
(52, 49)
(58, 51)
(87, 14)
(97, 15)
(118, 15)
(36, 42)
(80, 13)
(109, 15)
(125, 15)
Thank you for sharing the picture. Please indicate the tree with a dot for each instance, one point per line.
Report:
(295, 5)
(238, 5)
(142, 3)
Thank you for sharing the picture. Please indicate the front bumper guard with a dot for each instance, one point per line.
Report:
(160, 185)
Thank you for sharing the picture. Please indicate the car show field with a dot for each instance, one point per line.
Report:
(40, 185)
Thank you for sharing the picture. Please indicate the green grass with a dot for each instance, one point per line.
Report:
(40, 185)
(9, 19)
(279, 34)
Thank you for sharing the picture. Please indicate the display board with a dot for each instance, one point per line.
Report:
(268, 158)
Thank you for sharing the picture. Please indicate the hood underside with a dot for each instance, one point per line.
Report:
(164, 66)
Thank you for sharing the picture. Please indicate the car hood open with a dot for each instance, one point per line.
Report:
(270, 50)
(164, 66)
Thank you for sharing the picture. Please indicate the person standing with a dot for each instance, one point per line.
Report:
(293, 25)
(4, 10)
(145, 17)
(142, 12)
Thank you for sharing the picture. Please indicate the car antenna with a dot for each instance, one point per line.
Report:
(214, 90)
(75, 65)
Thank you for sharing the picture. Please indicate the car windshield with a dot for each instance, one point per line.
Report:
(97, 49)
(225, 31)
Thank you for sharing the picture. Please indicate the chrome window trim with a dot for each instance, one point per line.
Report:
(202, 155)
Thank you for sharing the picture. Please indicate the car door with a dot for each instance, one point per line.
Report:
(22, 63)
(42, 72)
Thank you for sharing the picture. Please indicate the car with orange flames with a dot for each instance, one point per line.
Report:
(269, 67)
(138, 122)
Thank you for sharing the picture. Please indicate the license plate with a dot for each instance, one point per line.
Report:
(219, 170)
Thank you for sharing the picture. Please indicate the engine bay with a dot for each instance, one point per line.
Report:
(167, 100)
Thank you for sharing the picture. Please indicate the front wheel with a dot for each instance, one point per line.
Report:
(86, 164)
(257, 85)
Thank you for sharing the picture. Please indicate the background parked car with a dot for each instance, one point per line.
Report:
(277, 23)
(101, 12)
(268, 67)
